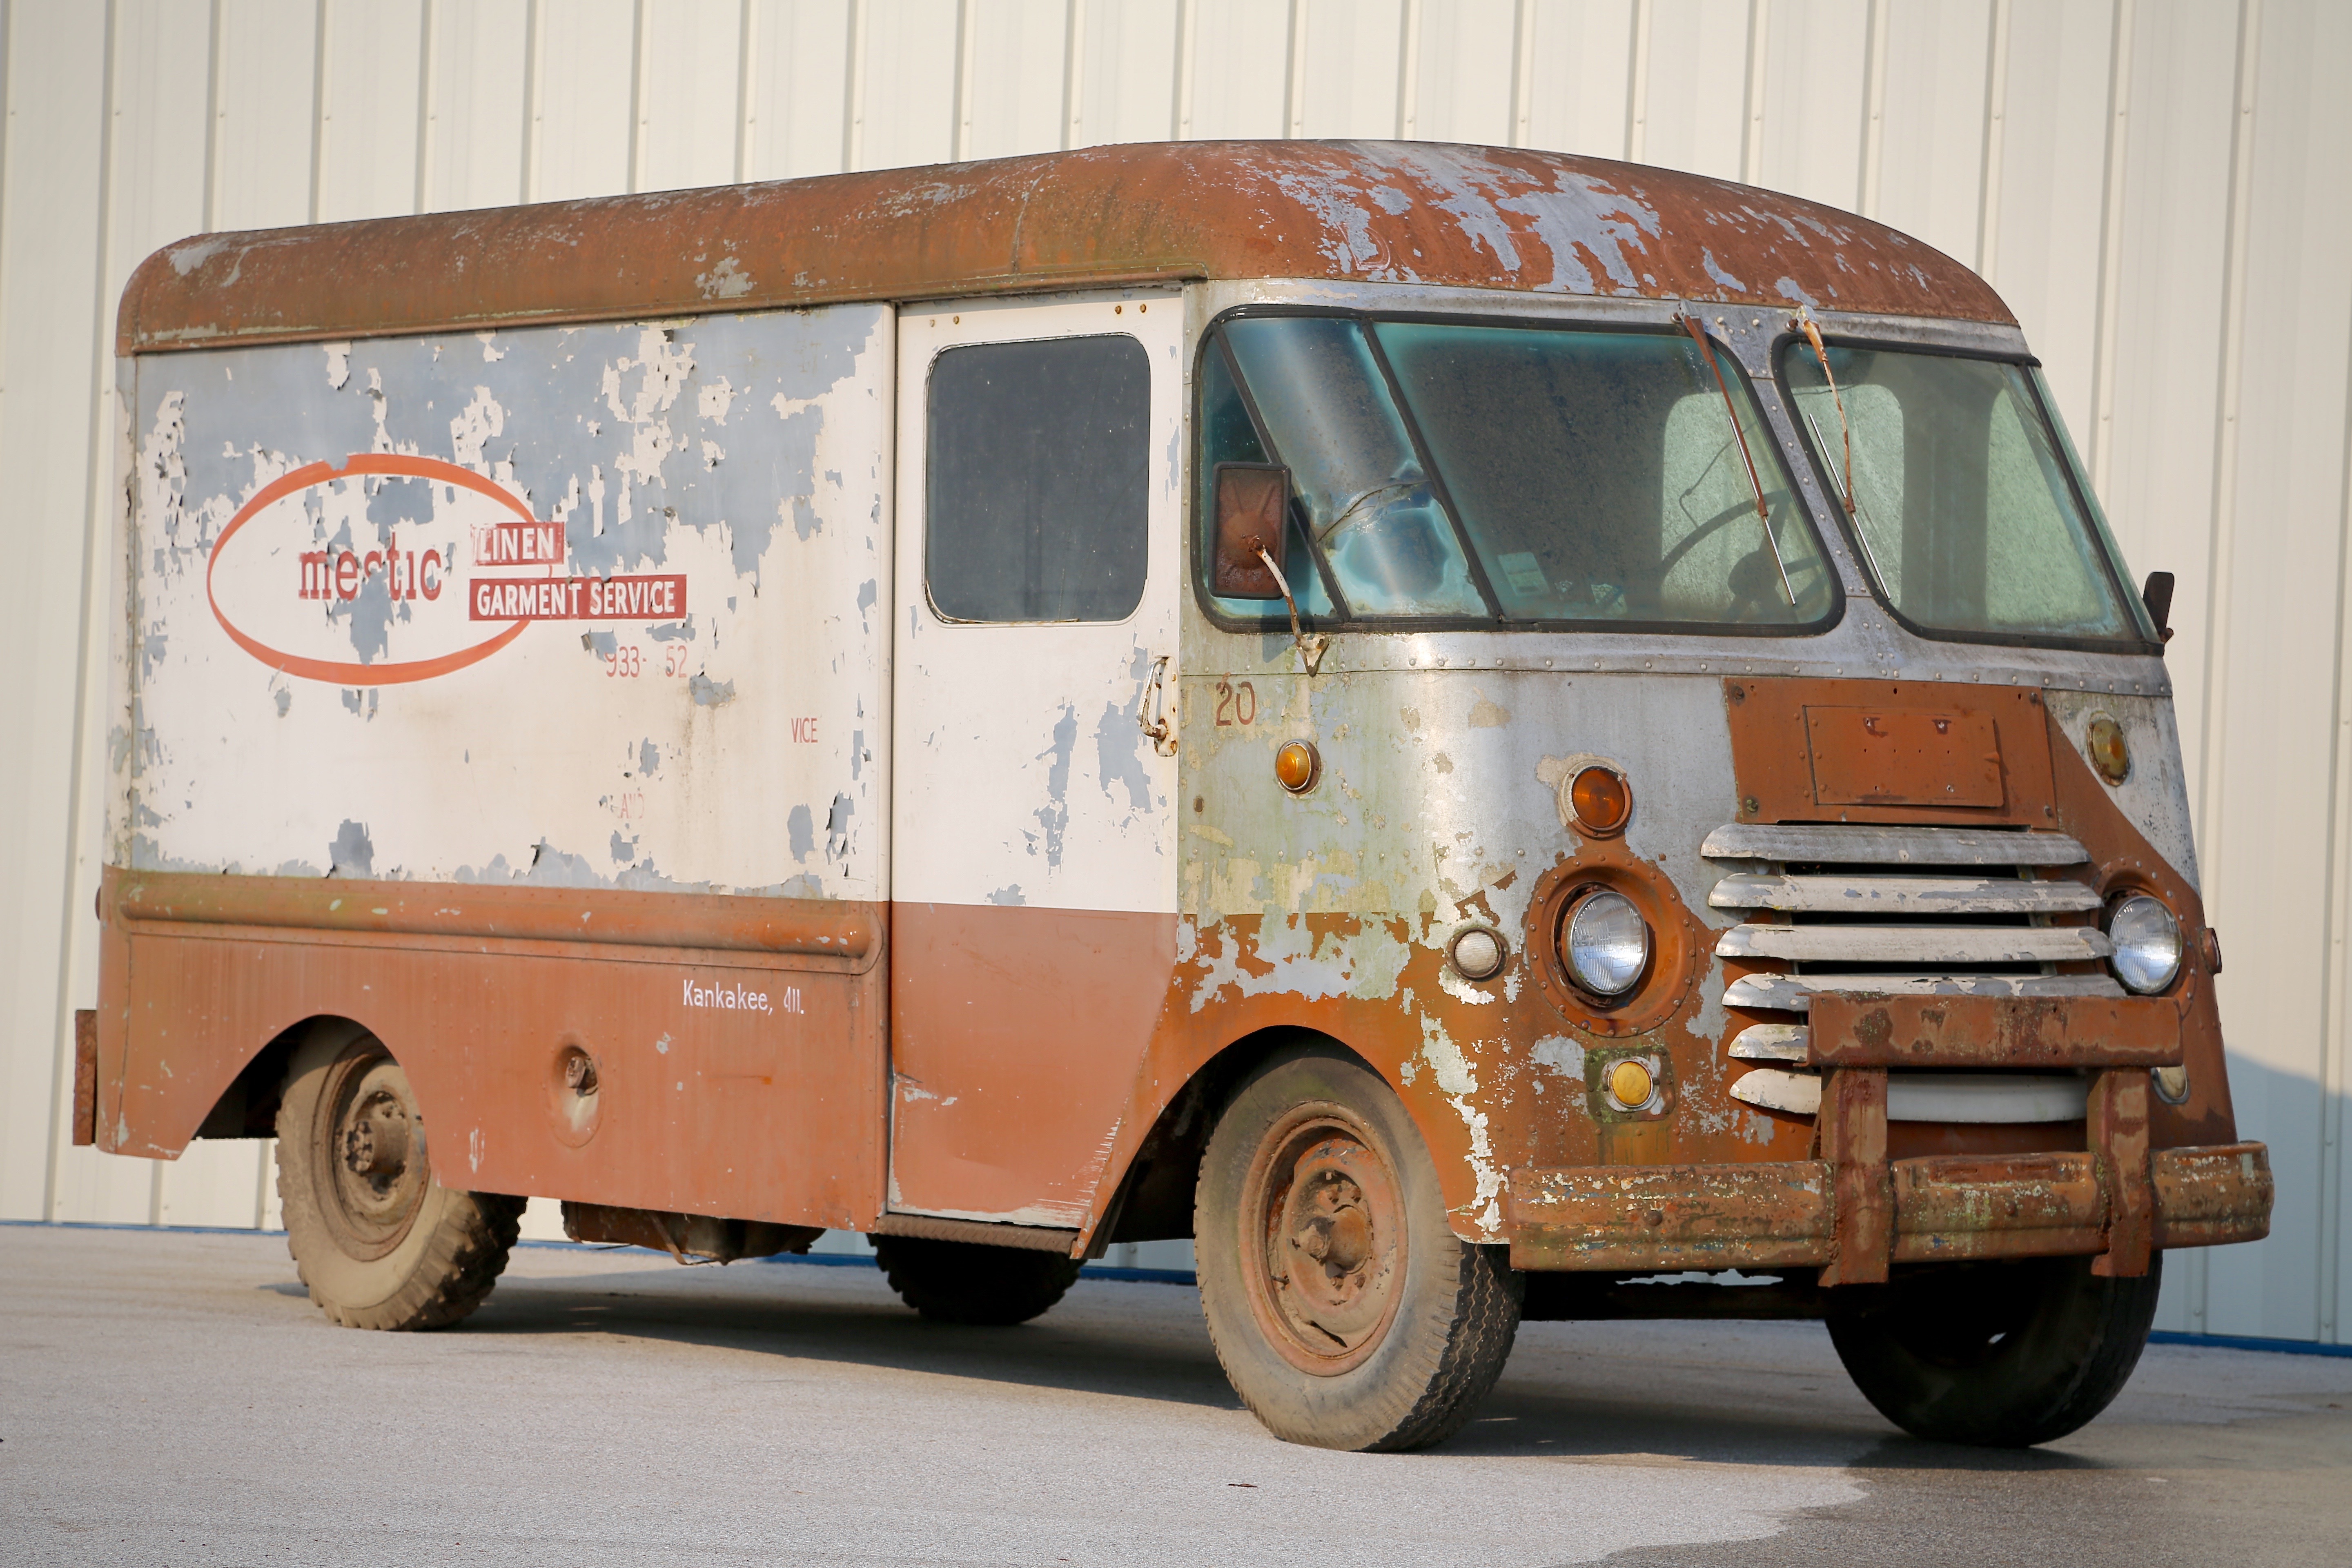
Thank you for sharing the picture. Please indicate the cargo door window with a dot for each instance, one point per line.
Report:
(1037, 480)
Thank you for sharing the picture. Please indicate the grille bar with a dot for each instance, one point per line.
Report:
(1772, 1043)
(1931, 1095)
(1900, 895)
(1915, 943)
(1852, 845)
(1794, 992)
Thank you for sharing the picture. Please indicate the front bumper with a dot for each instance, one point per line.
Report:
(1853, 1212)
(1663, 1218)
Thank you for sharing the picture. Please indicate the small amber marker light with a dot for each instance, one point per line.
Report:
(1297, 766)
(2102, 741)
(1600, 800)
(1629, 1084)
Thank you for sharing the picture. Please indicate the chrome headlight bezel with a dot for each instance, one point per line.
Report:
(2149, 946)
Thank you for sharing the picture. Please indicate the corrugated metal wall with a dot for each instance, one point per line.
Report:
(2158, 187)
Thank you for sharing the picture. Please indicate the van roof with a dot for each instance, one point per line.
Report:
(1481, 217)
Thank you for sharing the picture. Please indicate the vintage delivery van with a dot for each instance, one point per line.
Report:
(1482, 733)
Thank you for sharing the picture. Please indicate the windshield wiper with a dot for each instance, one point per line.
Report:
(1804, 323)
(1698, 332)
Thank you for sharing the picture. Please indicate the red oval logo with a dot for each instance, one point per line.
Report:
(419, 591)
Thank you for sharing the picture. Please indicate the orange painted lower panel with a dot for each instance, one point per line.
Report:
(742, 1083)
(1018, 1035)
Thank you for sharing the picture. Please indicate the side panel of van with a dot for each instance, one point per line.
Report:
(436, 636)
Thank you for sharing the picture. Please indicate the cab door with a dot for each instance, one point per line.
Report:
(1034, 857)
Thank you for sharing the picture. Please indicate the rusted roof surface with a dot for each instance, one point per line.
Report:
(1486, 218)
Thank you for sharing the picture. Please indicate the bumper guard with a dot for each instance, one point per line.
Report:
(1853, 1212)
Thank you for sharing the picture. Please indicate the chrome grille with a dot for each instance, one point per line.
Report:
(1871, 911)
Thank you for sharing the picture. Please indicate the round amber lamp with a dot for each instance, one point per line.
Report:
(1629, 1084)
(1600, 800)
(1296, 766)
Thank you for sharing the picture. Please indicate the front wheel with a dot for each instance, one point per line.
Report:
(380, 1243)
(2000, 1355)
(1345, 1311)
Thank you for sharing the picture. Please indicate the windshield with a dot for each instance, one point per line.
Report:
(1522, 474)
(1962, 495)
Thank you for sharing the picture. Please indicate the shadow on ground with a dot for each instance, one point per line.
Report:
(1556, 1402)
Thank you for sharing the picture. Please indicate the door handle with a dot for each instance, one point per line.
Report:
(1151, 710)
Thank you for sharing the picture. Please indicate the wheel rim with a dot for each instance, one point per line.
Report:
(1323, 1242)
(368, 1152)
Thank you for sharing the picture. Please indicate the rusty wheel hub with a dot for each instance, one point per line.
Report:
(370, 1153)
(1326, 1279)
(376, 1138)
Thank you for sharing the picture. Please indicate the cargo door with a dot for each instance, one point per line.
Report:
(1033, 866)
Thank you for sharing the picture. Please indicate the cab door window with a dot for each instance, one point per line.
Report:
(1037, 478)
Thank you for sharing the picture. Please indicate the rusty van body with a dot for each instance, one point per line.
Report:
(597, 663)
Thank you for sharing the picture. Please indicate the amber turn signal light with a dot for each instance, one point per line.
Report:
(2102, 741)
(1296, 766)
(1630, 1084)
(1600, 800)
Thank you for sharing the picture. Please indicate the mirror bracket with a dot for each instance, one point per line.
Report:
(1253, 513)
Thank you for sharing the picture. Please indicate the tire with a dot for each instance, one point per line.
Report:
(1345, 1311)
(965, 1282)
(1997, 1355)
(380, 1244)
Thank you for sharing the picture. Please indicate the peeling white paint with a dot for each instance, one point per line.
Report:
(521, 767)
(1454, 1076)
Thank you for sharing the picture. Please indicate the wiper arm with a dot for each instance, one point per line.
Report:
(1852, 509)
(1764, 513)
(1804, 323)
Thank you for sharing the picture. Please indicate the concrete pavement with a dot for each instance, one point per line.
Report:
(168, 1397)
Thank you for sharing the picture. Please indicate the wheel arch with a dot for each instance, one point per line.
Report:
(247, 1107)
(1153, 1201)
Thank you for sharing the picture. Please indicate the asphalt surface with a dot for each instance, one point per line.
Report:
(174, 1398)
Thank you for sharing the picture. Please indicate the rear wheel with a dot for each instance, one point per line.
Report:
(380, 1244)
(2000, 1355)
(1345, 1311)
(965, 1282)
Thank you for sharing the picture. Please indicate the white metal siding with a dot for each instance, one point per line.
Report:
(2157, 186)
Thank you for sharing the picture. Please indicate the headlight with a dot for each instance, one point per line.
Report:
(1606, 942)
(2147, 943)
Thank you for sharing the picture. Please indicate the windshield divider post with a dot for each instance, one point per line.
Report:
(1340, 614)
(1470, 558)
(1697, 330)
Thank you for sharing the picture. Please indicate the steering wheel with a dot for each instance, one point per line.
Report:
(1720, 521)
